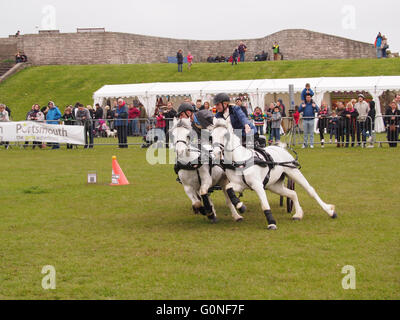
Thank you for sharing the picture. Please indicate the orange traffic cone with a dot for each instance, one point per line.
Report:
(118, 178)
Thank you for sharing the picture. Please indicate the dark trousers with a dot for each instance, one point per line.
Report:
(180, 67)
(392, 136)
(340, 133)
(361, 130)
(89, 132)
(122, 132)
(350, 132)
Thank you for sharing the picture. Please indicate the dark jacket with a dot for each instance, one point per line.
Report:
(388, 117)
(351, 123)
(179, 56)
(99, 114)
(238, 119)
(68, 119)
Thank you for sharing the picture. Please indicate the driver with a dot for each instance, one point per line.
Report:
(201, 120)
(236, 117)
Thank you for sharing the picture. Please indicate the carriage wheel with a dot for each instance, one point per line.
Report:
(289, 202)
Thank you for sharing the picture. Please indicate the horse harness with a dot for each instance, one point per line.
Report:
(197, 164)
(262, 159)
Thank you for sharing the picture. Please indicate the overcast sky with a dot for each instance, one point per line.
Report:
(207, 19)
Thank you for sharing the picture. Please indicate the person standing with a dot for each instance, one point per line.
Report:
(308, 109)
(259, 120)
(385, 46)
(4, 118)
(169, 114)
(235, 56)
(378, 45)
(134, 115)
(179, 57)
(69, 120)
(275, 49)
(35, 115)
(190, 60)
(363, 109)
(323, 115)
(242, 51)
(392, 122)
(276, 126)
(121, 123)
(341, 112)
(142, 120)
(53, 117)
(84, 119)
(351, 116)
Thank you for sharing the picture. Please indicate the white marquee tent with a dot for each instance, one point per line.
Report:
(148, 93)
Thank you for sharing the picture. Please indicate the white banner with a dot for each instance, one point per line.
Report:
(42, 132)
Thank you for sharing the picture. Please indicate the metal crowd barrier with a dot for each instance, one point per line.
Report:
(102, 132)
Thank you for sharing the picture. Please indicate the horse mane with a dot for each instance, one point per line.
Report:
(220, 123)
(184, 123)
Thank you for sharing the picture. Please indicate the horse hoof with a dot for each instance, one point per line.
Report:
(213, 218)
(239, 220)
(272, 227)
(296, 219)
(243, 209)
(335, 216)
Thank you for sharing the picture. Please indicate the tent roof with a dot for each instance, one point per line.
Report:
(249, 86)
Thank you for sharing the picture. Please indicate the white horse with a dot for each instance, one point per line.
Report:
(195, 174)
(243, 173)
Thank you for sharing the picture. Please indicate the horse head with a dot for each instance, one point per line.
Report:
(219, 134)
(181, 135)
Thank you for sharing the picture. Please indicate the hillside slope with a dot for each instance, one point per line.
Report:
(68, 84)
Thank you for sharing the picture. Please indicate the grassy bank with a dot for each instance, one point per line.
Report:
(69, 84)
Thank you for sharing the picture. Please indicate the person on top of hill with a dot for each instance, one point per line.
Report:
(242, 51)
(179, 57)
(378, 45)
(190, 60)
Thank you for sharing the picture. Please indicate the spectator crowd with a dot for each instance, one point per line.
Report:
(347, 125)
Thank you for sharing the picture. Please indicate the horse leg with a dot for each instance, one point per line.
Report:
(298, 177)
(196, 201)
(209, 209)
(235, 215)
(280, 189)
(206, 183)
(259, 189)
(230, 190)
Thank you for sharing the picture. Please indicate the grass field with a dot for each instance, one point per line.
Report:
(143, 242)
(66, 85)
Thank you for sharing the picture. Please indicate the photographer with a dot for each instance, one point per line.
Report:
(83, 119)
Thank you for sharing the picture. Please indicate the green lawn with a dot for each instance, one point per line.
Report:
(68, 84)
(143, 242)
